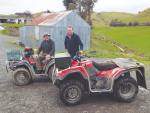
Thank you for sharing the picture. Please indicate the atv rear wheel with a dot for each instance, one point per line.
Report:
(72, 92)
(50, 72)
(125, 89)
(21, 76)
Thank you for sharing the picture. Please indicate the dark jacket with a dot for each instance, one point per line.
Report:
(73, 44)
(47, 47)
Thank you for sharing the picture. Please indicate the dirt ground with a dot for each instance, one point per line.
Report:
(41, 96)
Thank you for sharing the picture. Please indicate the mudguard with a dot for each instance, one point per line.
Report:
(22, 63)
(140, 75)
(67, 74)
(49, 64)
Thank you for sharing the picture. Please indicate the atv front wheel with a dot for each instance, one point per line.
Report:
(125, 89)
(50, 72)
(72, 92)
(21, 76)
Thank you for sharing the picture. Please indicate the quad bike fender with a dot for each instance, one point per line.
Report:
(140, 75)
(72, 72)
(22, 64)
(52, 62)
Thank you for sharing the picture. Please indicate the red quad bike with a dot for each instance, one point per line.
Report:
(88, 76)
(23, 66)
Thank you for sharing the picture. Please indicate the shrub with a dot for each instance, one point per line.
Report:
(116, 23)
(135, 23)
(130, 24)
(147, 24)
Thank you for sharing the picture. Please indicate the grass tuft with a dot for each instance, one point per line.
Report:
(4, 32)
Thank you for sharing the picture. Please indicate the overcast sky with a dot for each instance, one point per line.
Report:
(129, 6)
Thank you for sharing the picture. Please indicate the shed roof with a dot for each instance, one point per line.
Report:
(49, 19)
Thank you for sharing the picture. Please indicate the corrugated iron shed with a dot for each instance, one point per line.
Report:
(49, 19)
(56, 25)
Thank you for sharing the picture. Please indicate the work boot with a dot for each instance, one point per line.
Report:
(43, 71)
(39, 72)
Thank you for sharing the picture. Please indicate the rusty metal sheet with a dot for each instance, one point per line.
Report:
(49, 19)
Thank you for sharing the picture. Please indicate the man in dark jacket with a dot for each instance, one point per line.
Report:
(48, 50)
(72, 42)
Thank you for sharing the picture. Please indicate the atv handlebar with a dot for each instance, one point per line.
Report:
(85, 56)
(78, 58)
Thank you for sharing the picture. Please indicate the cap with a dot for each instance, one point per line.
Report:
(46, 34)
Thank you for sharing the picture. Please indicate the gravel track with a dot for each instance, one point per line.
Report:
(41, 96)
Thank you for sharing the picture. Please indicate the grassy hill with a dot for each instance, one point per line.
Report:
(102, 19)
(12, 15)
(33, 15)
(142, 17)
(37, 14)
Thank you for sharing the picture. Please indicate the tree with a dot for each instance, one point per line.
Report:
(48, 11)
(147, 24)
(116, 23)
(135, 23)
(83, 7)
(27, 13)
(88, 6)
(130, 24)
(72, 6)
(66, 3)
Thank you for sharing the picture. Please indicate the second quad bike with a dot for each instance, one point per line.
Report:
(23, 66)
(113, 76)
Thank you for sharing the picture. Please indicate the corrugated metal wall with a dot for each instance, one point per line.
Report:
(58, 32)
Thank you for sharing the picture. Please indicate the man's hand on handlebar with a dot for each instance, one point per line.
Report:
(80, 52)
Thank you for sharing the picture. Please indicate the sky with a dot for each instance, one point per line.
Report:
(130, 6)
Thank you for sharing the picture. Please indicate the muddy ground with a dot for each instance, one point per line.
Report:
(41, 96)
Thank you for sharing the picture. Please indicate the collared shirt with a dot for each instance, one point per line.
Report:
(70, 35)
(72, 44)
(47, 47)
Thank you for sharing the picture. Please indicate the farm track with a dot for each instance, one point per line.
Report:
(41, 96)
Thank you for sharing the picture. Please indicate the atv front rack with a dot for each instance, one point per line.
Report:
(8, 64)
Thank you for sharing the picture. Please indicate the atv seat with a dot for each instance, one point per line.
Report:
(43, 61)
(104, 66)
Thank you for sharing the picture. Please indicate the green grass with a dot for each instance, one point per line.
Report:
(12, 42)
(4, 32)
(102, 49)
(137, 37)
(37, 14)
(9, 24)
(135, 41)
(104, 18)
(142, 17)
